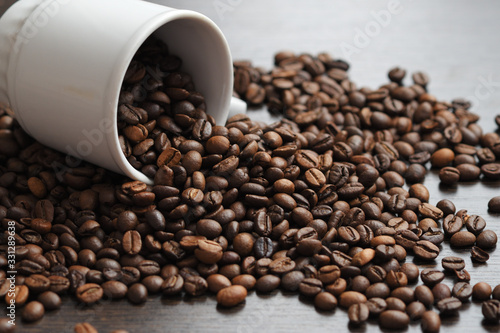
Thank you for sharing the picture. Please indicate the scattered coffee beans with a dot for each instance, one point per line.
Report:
(315, 203)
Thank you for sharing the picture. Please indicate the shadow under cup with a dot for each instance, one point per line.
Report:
(64, 78)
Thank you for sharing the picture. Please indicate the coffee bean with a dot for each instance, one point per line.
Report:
(449, 175)
(462, 291)
(172, 285)
(425, 250)
(231, 296)
(291, 281)
(50, 300)
(491, 310)
(89, 293)
(267, 283)
(6, 326)
(452, 263)
(441, 291)
(442, 157)
(496, 292)
(494, 205)
(431, 277)
(325, 301)
(415, 310)
(486, 240)
(462, 239)
(431, 322)
(481, 291)
(393, 319)
(114, 289)
(137, 293)
(349, 298)
(217, 282)
(376, 306)
(131, 242)
(358, 313)
(448, 306)
(479, 255)
(33, 311)
(85, 328)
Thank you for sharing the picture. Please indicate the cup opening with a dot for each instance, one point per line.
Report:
(205, 56)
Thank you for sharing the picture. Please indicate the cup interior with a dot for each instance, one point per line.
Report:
(205, 56)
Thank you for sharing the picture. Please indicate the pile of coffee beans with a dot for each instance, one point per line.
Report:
(327, 202)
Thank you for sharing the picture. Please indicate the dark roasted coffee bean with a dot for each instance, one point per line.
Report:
(325, 301)
(33, 311)
(393, 319)
(462, 291)
(452, 263)
(425, 250)
(85, 328)
(494, 205)
(486, 240)
(376, 306)
(462, 275)
(481, 291)
(431, 277)
(491, 310)
(462, 239)
(114, 289)
(137, 293)
(89, 293)
(358, 313)
(231, 295)
(50, 300)
(430, 322)
(267, 283)
(448, 306)
(479, 255)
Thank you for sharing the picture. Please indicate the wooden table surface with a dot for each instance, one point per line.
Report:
(455, 42)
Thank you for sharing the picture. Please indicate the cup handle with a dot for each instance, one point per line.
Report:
(236, 106)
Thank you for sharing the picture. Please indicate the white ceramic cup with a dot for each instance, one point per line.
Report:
(62, 63)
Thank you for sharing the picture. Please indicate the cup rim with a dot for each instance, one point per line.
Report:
(118, 74)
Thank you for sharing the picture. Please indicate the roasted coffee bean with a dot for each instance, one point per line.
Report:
(393, 319)
(494, 205)
(291, 281)
(440, 291)
(349, 298)
(425, 250)
(50, 300)
(85, 328)
(431, 277)
(376, 306)
(137, 293)
(491, 310)
(479, 255)
(449, 175)
(430, 322)
(231, 296)
(486, 240)
(6, 326)
(89, 293)
(358, 313)
(462, 291)
(172, 285)
(462, 275)
(481, 291)
(267, 283)
(325, 301)
(33, 311)
(452, 263)
(114, 289)
(462, 239)
(448, 306)
(310, 287)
